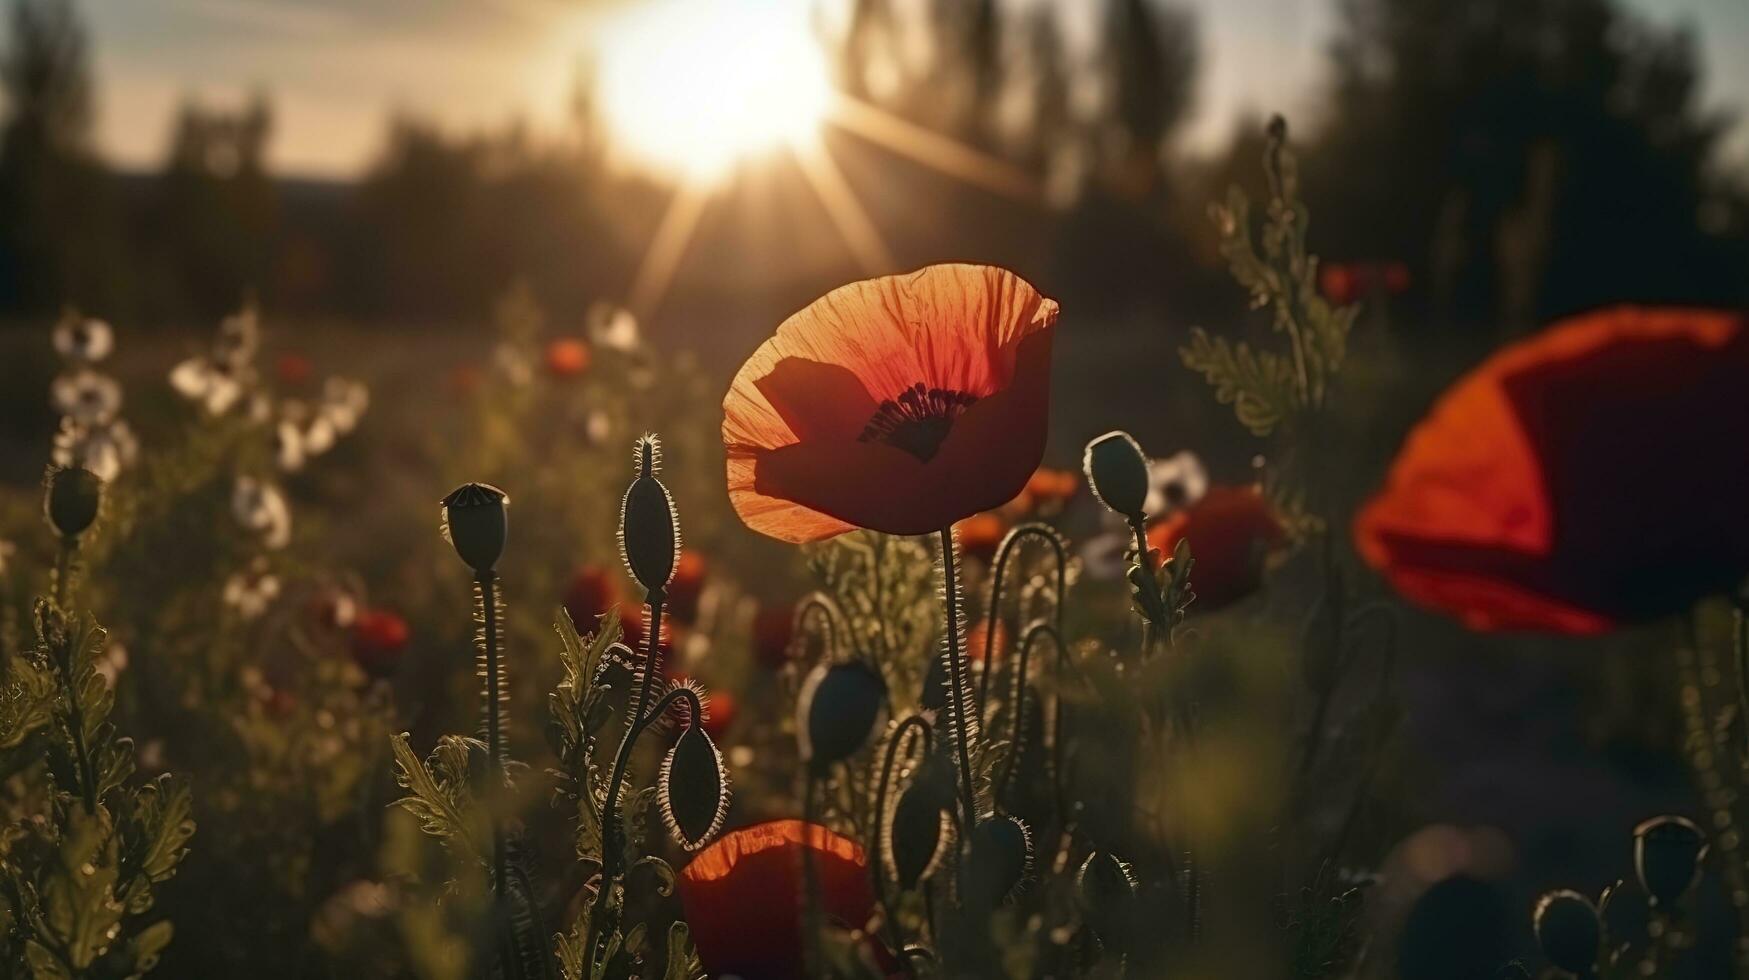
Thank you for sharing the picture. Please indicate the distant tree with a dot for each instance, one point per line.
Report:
(59, 236)
(1151, 55)
(216, 207)
(1526, 157)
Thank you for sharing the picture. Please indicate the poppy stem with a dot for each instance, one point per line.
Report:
(956, 669)
(894, 741)
(813, 958)
(1138, 525)
(1004, 552)
(486, 585)
(64, 571)
(612, 845)
(1019, 705)
(1740, 653)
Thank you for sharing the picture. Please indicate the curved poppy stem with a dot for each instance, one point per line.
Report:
(64, 559)
(925, 735)
(612, 834)
(486, 590)
(1032, 636)
(956, 670)
(1004, 551)
(814, 602)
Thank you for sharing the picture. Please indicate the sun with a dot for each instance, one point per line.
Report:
(697, 87)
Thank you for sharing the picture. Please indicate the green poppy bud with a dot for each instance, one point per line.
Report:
(840, 709)
(1668, 852)
(74, 496)
(476, 520)
(693, 789)
(1117, 470)
(918, 834)
(1106, 886)
(997, 863)
(649, 534)
(1569, 931)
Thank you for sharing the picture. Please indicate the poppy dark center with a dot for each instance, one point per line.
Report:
(918, 420)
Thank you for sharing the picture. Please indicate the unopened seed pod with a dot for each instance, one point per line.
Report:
(998, 862)
(74, 496)
(1117, 470)
(693, 789)
(918, 835)
(840, 709)
(1668, 852)
(1569, 931)
(476, 522)
(649, 534)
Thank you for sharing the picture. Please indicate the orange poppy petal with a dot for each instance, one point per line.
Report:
(1589, 475)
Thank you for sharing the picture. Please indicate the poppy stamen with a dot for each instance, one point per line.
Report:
(918, 420)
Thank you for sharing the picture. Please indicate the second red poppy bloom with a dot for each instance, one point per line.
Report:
(900, 404)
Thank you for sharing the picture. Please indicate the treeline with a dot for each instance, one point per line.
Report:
(1518, 158)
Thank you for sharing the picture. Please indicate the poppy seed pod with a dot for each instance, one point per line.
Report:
(1106, 886)
(476, 520)
(1569, 931)
(840, 708)
(1117, 470)
(918, 835)
(649, 535)
(693, 789)
(1668, 851)
(72, 501)
(998, 862)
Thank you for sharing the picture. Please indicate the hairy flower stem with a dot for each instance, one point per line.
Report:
(612, 834)
(1038, 630)
(956, 668)
(1139, 526)
(925, 736)
(813, 955)
(487, 585)
(1003, 555)
(64, 571)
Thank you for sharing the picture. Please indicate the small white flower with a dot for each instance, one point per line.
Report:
(83, 340)
(288, 446)
(252, 590)
(516, 366)
(319, 436)
(1103, 554)
(612, 327)
(105, 450)
(598, 428)
(344, 402)
(1177, 481)
(111, 662)
(200, 380)
(260, 506)
(86, 396)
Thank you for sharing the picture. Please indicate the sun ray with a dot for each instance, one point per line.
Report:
(843, 207)
(667, 246)
(932, 149)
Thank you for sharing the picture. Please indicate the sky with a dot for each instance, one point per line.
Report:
(336, 68)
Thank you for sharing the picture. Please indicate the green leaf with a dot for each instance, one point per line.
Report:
(683, 961)
(1258, 384)
(435, 800)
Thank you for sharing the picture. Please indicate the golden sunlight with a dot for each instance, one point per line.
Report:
(695, 87)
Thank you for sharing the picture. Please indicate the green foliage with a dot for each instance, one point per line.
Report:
(1270, 389)
(78, 880)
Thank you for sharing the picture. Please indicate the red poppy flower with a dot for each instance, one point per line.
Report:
(1231, 530)
(592, 592)
(634, 625)
(980, 534)
(773, 629)
(743, 896)
(567, 357)
(1396, 277)
(1052, 488)
(1339, 283)
(378, 638)
(293, 370)
(975, 649)
(900, 404)
(686, 587)
(1592, 475)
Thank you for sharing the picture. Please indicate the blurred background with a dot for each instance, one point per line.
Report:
(377, 175)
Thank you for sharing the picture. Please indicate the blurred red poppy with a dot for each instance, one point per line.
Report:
(1339, 283)
(774, 627)
(1395, 276)
(900, 404)
(743, 896)
(1050, 488)
(1592, 475)
(567, 357)
(378, 638)
(975, 647)
(686, 587)
(592, 592)
(979, 535)
(1231, 531)
(634, 624)
(293, 370)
